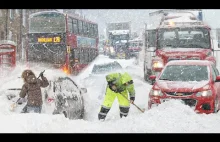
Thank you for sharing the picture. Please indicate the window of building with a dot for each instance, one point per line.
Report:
(24, 17)
(2, 36)
(10, 35)
(11, 13)
(17, 11)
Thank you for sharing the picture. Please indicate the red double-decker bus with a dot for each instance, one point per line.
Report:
(61, 40)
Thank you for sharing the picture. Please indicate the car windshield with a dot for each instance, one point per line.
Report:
(185, 73)
(184, 38)
(98, 69)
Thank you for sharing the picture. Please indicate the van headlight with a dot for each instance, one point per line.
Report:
(158, 64)
(206, 93)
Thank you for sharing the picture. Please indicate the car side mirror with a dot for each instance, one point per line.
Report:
(217, 78)
(83, 90)
(152, 78)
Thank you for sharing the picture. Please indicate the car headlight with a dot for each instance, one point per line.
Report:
(157, 64)
(156, 93)
(206, 93)
(112, 50)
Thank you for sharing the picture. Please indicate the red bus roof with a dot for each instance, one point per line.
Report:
(78, 18)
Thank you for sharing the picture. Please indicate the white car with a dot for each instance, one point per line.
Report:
(96, 79)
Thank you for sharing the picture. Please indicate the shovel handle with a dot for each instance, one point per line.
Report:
(134, 104)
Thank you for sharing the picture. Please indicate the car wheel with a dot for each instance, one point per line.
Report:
(65, 114)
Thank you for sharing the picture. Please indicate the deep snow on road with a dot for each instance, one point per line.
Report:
(169, 117)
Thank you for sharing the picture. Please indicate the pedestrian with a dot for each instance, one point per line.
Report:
(32, 89)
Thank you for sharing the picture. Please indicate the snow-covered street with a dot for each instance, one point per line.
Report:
(169, 117)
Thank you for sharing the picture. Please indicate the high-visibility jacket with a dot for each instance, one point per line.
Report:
(122, 82)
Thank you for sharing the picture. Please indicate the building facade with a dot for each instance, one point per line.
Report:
(14, 27)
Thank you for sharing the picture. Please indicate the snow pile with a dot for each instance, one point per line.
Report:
(169, 117)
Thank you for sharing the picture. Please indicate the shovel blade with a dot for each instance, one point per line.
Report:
(12, 107)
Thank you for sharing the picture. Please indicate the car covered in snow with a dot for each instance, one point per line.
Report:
(67, 97)
(97, 76)
(106, 67)
(195, 83)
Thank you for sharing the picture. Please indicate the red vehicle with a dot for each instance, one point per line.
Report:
(135, 46)
(180, 35)
(7, 56)
(196, 83)
(61, 40)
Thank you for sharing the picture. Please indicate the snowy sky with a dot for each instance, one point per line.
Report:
(139, 16)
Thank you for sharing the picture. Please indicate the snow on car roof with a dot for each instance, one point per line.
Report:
(190, 62)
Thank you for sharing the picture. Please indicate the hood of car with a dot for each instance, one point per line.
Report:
(179, 86)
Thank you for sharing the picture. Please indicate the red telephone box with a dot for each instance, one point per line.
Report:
(7, 55)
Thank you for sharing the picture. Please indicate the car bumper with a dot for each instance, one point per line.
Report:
(199, 105)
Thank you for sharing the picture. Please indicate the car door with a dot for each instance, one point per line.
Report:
(69, 99)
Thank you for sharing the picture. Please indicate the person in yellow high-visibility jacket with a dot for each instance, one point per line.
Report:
(120, 86)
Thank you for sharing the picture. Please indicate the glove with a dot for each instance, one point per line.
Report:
(132, 100)
(112, 86)
(20, 101)
(42, 74)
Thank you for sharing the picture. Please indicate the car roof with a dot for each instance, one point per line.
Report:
(190, 62)
(113, 66)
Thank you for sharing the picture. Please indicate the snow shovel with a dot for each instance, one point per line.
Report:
(14, 105)
(142, 110)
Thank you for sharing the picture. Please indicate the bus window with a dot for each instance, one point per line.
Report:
(47, 23)
(85, 28)
(76, 54)
(70, 25)
(82, 59)
(86, 57)
(90, 30)
(75, 27)
(96, 30)
(80, 27)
